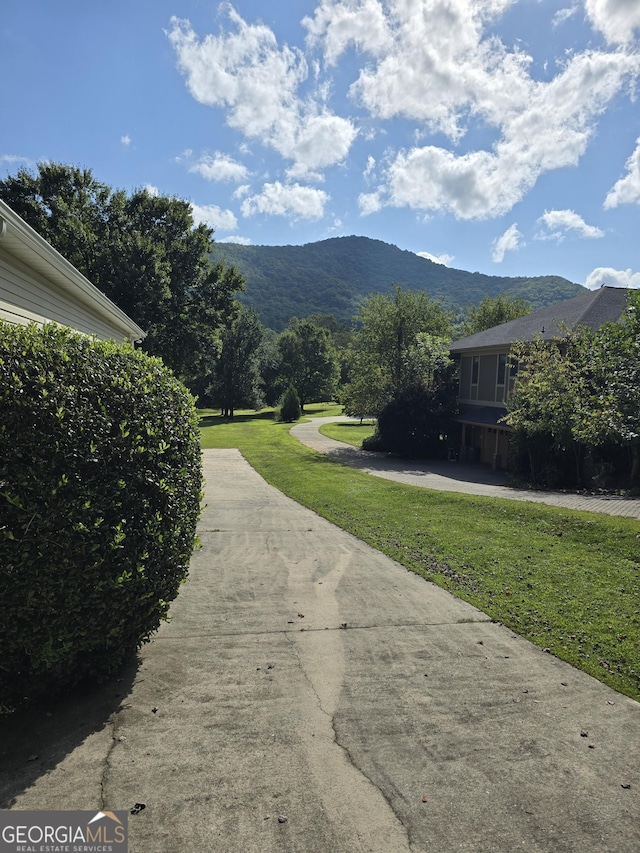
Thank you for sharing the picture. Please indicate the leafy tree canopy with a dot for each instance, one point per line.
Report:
(583, 393)
(143, 251)
(309, 361)
(236, 377)
(492, 311)
(401, 341)
(416, 421)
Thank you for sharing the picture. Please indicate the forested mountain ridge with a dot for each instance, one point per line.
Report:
(333, 276)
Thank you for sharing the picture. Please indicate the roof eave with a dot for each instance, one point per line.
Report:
(28, 246)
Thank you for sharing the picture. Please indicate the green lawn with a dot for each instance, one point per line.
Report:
(568, 581)
(350, 432)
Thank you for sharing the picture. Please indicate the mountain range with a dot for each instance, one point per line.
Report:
(333, 277)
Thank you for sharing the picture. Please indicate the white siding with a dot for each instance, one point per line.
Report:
(26, 296)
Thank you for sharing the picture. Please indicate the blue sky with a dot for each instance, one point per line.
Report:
(501, 136)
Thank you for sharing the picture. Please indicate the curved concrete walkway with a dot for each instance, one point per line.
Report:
(452, 476)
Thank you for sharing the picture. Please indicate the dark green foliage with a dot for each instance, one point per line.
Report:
(416, 422)
(100, 479)
(273, 385)
(309, 361)
(492, 311)
(575, 407)
(235, 381)
(290, 409)
(402, 340)
(333, 277)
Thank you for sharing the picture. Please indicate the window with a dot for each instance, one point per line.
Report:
(501, 377)
(475, 370)
(502, 368)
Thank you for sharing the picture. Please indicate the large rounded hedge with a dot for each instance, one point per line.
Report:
(100, 483)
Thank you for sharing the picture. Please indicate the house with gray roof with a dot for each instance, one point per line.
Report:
(486, 377)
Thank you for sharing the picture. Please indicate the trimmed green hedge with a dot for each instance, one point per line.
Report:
(100, 487)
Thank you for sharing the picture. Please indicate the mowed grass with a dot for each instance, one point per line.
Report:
(568, 581)
(349, 432)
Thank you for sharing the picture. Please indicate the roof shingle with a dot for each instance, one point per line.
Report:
(592, 308)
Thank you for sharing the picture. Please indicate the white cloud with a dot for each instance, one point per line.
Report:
(410, 68)
(416, 71)
(371, 165)
(220, 167)
(563, 15)
(627, 189)
(292, 200)
(617, 20)
(257, 81)
(369, 203)
(126, 139)
(16, 158)
(214, 217)
(560, 222)
(336, 25)
(426, 75)
(544, 126)
(445, 260)
(321, 141)
(612, 277)
(241, 241)
(507, 242)
(153, 191)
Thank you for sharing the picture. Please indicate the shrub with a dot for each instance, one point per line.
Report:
(290, 409)
(100, 478)
(415, 423)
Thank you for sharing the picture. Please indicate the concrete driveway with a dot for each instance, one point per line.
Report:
(311, 695)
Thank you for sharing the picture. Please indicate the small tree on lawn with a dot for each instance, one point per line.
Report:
(290, 409)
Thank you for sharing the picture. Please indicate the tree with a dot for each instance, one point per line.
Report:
(309, 361)
(612, 365)
(492, 311)
(236, 378)
(390, 345)
(548, 393)
(579, 396)
(290, 409)
(427, 363)
(270, 360)
(341, 331)
(143, 251)
(416, 422)
(360, 398)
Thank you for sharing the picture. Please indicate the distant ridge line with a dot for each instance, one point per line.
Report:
(334, 275)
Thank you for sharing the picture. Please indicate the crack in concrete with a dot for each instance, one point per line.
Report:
(291, 641)
(112, 724)
(344, 750)
(341, 627)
